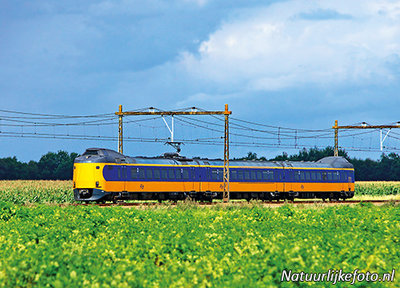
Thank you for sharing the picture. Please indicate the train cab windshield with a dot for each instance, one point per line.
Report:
(91, 152)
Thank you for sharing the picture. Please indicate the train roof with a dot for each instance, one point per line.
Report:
(102, 155)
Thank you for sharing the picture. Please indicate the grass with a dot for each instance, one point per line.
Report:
(189, 246)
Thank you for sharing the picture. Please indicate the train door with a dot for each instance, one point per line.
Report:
(98, 176)
(343, 179)
(123, 177)
(198, 184)
(288, 174)
(205, 178)
(349, 182)
(279, 180)
(188, 178)
(193, 181)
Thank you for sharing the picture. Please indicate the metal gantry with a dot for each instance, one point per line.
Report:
(226, 113)
(120, 132)
(226, 155)
(362, 126)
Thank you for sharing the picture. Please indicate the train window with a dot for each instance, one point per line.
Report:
(265, 175)
(178, 173)
(240, 175)
(134, 173)
(119, 172)
(297, 175)
(128, 173)
(156, 173)
(313, 176)
(302, 176)
(308, 177)
(324, 177)
(319, 176)
(141, 173)
(253, 175)
(90, 152)
(220, 174)
(185, 174)
(149, 173)
(259, 175)
(336, 176)
(164, 174)
(329, 176)
(233, 174)
(214, 174)
(246, 175)
(171, 174)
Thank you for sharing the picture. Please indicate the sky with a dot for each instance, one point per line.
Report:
(301, 64)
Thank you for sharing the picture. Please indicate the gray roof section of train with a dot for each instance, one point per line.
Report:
(111, 156)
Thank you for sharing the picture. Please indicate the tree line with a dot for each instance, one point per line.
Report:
(59, 166)
(386, 168)
(51, 166)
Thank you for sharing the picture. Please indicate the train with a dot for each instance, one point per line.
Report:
(101, 175)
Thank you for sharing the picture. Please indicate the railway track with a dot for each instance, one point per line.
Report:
(264, 203)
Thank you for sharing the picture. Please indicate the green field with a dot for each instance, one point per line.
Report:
(377, 188)
(189, 246)
(36, 191)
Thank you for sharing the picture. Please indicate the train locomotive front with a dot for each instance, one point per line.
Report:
(106, 175)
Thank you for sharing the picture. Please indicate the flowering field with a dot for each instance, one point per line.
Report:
(189, 246)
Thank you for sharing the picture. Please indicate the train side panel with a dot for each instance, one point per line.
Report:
(105, 174)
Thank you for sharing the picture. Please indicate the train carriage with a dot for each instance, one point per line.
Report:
(106, 175)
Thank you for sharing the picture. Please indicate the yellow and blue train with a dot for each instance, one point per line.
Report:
(106, 175)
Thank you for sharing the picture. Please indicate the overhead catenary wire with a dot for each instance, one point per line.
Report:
(244, 133)
(55, 116)
(162, 140)
(287, 137)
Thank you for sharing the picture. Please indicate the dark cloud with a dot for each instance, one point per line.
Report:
(77, 57)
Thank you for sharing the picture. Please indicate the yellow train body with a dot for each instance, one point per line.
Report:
(101, 179)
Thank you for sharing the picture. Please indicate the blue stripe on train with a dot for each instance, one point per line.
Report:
(197, 174)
